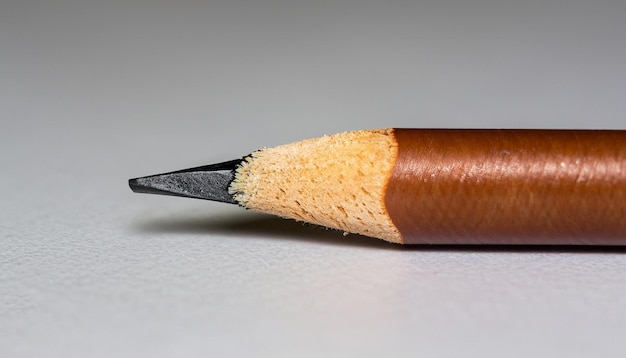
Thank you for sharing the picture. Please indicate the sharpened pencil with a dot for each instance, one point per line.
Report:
(431, 186)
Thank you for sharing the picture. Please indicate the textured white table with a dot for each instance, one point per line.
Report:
(93, 93)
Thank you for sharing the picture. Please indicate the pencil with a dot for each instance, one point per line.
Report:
(431, 186)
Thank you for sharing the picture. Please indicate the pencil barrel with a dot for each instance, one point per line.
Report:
(565, 187)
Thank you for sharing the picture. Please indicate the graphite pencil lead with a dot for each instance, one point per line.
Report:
(208, 182)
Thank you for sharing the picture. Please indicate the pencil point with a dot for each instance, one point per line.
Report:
(208, 182)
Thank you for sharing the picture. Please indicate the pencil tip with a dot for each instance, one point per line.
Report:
(208, 182)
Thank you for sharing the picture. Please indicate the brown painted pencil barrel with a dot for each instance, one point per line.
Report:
(561, 187)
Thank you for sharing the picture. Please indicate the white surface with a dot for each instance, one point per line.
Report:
(93, 93)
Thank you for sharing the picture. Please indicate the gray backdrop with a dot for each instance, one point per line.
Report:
(95, 92)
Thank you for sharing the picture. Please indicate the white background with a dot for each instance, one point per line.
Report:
(95, 92)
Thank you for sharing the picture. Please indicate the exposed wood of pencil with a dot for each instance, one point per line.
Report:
(448, 186)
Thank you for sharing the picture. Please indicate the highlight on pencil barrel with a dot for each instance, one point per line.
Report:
(431, 186)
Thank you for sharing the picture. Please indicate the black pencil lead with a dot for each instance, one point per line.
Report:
(208, 182)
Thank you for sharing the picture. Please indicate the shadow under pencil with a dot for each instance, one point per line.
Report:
(249, 224)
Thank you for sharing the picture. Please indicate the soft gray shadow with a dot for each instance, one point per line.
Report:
(249, 224)
(258, 225)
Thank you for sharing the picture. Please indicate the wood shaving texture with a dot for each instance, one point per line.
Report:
(336, 181)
